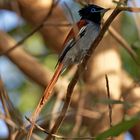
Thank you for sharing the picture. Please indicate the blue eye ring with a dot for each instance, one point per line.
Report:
(93, 10)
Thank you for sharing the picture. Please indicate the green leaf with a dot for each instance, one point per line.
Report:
(119, 128)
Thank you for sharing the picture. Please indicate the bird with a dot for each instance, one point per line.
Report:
(76, 46)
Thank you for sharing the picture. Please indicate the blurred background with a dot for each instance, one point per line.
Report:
(26, 70)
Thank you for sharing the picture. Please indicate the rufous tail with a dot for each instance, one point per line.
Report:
(52, 83)
(45, 97)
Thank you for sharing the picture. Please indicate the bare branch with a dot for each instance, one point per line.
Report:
(59, 136)
(124, 44)
(109, 97)
(32, 69)
(78, 119)
(32, 32)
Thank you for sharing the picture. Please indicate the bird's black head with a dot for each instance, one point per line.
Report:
(93, 13)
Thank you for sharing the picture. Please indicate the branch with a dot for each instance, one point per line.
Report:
(58, 136)
(26, 63)
(123, 42)
(33, 31)
(129, 9)
(109, 97)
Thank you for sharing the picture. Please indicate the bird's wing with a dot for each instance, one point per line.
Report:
(70, 39)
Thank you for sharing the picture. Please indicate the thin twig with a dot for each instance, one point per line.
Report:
(78, 118)
(129, 9)
(123, 42)
(61, 24)
(56, 106)
(33, 31)
(5, 107)
(12, 116)
(8, 121)
(3, 99)
(109, 97)
(58, 136)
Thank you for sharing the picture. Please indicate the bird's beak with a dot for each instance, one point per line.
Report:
(104, 11)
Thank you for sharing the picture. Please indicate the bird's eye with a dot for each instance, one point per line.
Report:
(93, 10)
